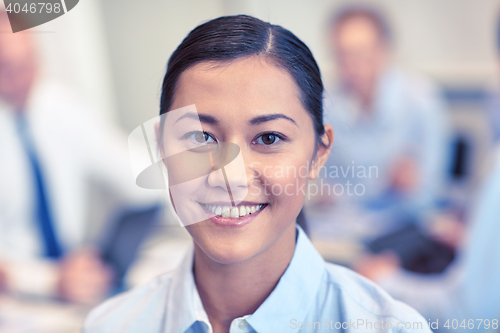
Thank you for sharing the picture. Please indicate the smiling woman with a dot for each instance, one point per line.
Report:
(257, 87)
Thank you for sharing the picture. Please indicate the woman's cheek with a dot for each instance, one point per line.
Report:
(286, 182)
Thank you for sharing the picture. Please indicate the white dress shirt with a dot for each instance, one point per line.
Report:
(73, 147)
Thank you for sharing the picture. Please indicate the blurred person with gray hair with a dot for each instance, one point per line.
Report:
(51, 147)
(468, 290)
(391, 133)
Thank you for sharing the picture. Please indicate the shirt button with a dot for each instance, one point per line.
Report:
(243, 324)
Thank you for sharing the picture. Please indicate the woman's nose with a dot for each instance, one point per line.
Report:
(231, 178)
(234, 177)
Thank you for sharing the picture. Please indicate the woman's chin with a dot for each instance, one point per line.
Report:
(230, 254)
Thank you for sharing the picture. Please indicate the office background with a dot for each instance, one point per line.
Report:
(116, 51)
(114, 54)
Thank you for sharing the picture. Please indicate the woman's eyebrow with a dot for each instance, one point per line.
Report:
(268, 117)
(203, 118)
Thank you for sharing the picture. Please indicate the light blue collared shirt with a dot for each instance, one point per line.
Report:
(480, 286)
(311, 293)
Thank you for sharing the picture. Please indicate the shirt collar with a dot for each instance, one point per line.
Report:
(292, 297)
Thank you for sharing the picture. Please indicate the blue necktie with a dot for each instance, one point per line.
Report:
(43, 214)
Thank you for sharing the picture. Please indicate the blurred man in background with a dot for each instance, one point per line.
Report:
(391, 134)
(468, 289)
(50, 148)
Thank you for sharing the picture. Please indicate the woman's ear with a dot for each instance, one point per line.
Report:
(322, 153)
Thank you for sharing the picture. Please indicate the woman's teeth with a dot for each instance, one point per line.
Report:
(226, 211)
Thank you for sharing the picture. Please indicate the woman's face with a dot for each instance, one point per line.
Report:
(255, 105)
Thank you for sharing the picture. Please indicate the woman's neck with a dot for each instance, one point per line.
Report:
(229, 291)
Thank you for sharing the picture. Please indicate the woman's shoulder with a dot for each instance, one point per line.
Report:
(364, 300)
(132, 309)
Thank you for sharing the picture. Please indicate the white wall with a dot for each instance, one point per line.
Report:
(451, 40)
(141, 36)
(115, 51)
(73, 50)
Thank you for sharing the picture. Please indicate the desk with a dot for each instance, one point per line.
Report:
(23, 315)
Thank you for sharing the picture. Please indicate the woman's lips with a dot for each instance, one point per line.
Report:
(233, 216)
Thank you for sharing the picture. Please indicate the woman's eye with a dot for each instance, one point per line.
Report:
(202, 137)
(268, 139)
